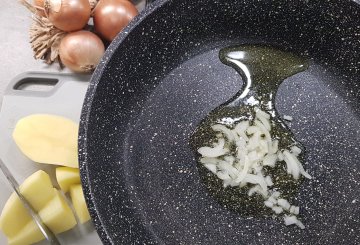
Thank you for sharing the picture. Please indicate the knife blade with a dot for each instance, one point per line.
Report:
(48, 234)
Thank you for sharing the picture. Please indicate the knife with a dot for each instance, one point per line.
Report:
(48, 234)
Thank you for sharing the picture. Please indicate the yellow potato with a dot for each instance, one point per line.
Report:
(14, 216)
(48, 139)
(78, 200)
(29, 234)
(38, 190)
(56, 215)
(66, 177)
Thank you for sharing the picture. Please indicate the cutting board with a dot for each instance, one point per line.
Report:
(39, 92)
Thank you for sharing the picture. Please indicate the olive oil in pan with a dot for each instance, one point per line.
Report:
(263, 69)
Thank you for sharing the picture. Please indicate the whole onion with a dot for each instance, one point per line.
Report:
(68, 15)
(111, 16)
(81, 51)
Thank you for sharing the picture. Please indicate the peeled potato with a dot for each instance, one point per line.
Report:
(17, 224)
(66, 177)
(14, 216)
(38, 190)
(48, 139)
(29, 234)
(56, 215)
(78, 200)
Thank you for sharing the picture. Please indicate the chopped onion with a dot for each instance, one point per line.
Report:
(292, 220)
(283, 203)
(275, 194)
(292, 164)
(277, 210)
(269, 204)
(209, 160)
(272, 199)
(260, 113)
(244, 171)
(211, 167)
(269, 181)
(216, 151)
(288, 118)
(295, 150)
(253, 149)
(223, 129)
(274, 146)
(280, 156)
(265, 122)
(296, 210)
(270, 160)
(255, 179)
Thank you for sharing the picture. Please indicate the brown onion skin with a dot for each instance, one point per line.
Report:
(39, 3)
(81, 51)
(111, 16)
(73, 15)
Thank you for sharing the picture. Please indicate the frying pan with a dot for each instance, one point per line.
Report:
(162, 75)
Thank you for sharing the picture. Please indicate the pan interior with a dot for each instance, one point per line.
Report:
(141, 176)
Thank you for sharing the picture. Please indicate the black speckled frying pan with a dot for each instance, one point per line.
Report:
(162, 76)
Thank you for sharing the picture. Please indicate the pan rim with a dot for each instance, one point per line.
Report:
(86, 111)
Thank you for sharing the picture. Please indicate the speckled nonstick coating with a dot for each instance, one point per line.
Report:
(162, 75)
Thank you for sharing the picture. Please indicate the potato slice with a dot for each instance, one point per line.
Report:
(56, 215)
(66, 177)
(78, 200)
(38, 190)
(48, 139)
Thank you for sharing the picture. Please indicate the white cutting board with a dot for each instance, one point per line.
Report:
(65, 98)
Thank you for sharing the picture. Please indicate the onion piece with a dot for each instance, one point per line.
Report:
(277, 210)
(270, 160)
(269, 181)
(274, 146)
(261, 113)
(211, 167)
(295, 150)
(244, 171)
(255, 179)
(292, 220)
(265, 122)
(269, 204)
(209, 160)
(292, 164)
(231, 136)
(216, 151)
(263, 130)
(283, 203)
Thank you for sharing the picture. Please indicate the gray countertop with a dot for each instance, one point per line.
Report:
(17, 55)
